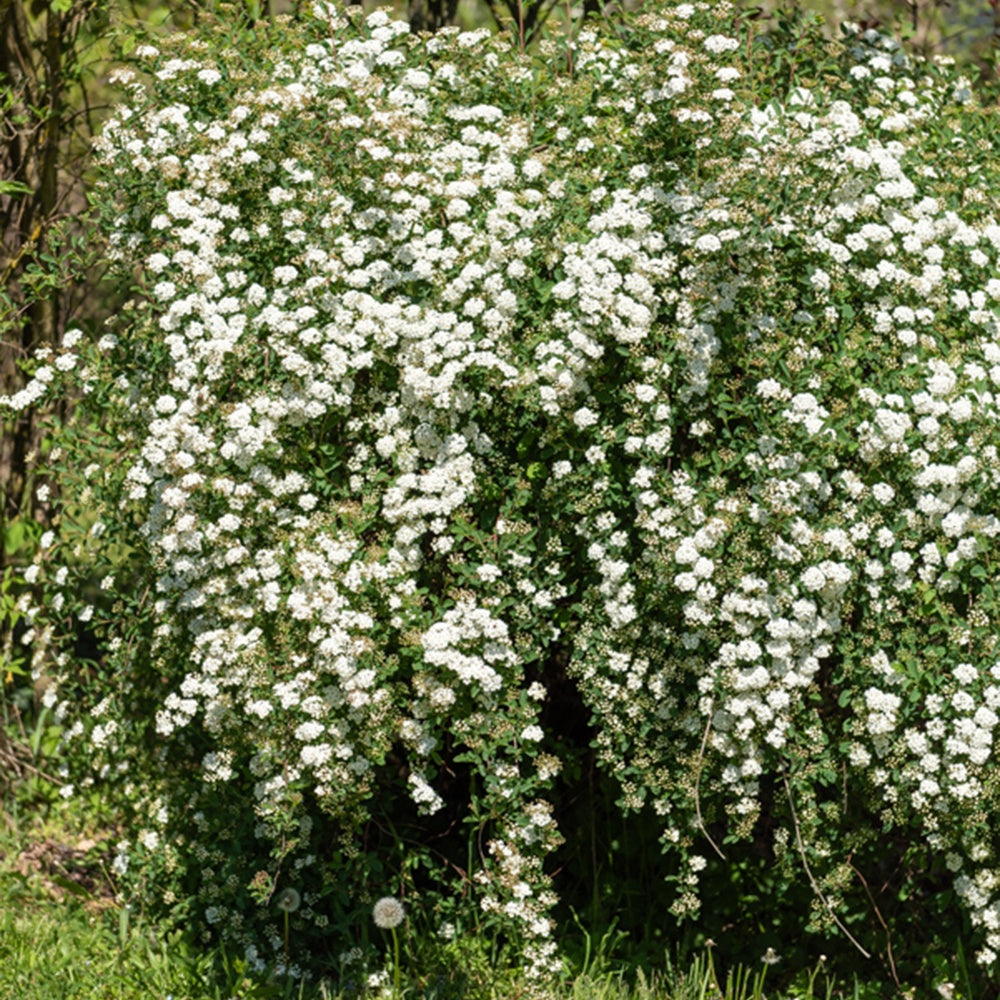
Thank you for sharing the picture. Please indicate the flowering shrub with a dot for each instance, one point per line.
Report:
(447, 372)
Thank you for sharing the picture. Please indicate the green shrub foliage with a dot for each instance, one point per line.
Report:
(660, 367)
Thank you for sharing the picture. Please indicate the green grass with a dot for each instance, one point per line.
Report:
(69, 950)
(59, 950)
(64, 937)
(55, 952)
(71, 947)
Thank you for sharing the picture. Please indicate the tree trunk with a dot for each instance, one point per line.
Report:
(430, 15)
(41, 158)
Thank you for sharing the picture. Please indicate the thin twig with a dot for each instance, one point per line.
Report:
(885, 926)
(812, 878)
(697, 783)
(17, 761)
(569, 38)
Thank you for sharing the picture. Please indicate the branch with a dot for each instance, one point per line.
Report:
(697, 783)
(885, 926)
(812, 878)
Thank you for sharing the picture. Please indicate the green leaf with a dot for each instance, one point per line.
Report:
(17, 535)
(14, 187)
(10, 669)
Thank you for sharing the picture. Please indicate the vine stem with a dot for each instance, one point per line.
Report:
(812, 878)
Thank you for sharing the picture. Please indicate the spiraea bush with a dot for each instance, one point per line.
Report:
(661, 364)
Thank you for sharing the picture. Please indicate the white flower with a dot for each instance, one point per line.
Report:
(709, 243)
(316, 754)
(883, 493)
(770, 388)
(820, 280)
(965, 673)
(717, 44)
(427, 800)
(901, 562)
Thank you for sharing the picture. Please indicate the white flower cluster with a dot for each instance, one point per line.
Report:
(422, 393)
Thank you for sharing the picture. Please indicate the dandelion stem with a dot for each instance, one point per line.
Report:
(395, 965)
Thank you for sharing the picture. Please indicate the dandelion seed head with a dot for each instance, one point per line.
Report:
(288, 900)
(388, 913)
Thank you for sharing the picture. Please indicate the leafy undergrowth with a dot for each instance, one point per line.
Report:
(63, 935)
